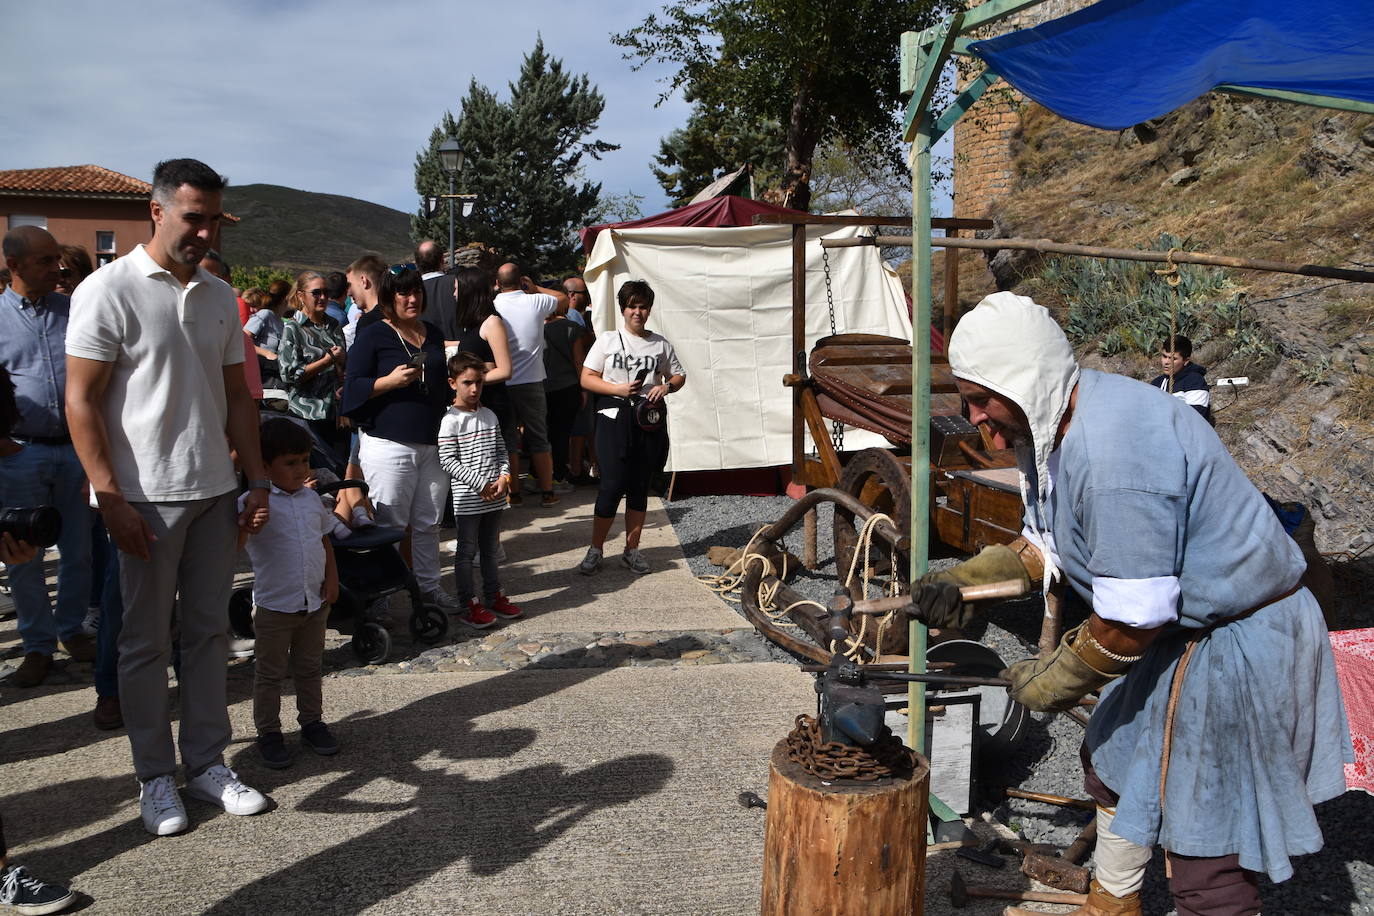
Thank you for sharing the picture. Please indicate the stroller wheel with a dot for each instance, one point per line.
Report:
(371, 643)
(428, 623)
(241, 613)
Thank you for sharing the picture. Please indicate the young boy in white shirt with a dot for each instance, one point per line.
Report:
(295, 582)
(473, 454)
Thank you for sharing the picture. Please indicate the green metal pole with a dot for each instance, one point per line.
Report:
(920, 413)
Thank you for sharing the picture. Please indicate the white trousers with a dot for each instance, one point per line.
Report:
(409, 490)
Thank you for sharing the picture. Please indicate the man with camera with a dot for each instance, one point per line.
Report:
(38, 466)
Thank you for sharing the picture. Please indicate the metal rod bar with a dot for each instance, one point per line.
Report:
(1046, 246)
(941, 680)
(823, 219)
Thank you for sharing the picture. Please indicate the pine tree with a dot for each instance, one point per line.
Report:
(525, 164)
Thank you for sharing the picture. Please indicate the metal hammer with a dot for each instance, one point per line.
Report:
(960, 894)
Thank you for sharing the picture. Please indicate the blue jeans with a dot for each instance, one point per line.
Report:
(50, 475)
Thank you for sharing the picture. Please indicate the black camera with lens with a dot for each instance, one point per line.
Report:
(40, 527)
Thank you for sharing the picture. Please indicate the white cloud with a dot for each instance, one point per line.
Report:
(325, 96)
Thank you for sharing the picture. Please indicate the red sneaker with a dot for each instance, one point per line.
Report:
(502, 607)
(477, 616)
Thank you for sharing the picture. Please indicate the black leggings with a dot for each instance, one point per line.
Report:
(628, 458)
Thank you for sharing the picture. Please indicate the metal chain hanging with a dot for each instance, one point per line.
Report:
(836, 427)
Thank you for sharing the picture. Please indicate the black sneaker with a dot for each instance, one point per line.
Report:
(273, 750)
(30, 896)
(317, 737)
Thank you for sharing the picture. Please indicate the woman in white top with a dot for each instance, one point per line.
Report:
(622, 368)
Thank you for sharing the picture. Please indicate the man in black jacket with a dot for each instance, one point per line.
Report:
(1185, 380)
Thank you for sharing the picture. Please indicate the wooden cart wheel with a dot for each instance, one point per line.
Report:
(876, 478)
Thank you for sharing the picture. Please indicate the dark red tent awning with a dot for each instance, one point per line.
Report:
(727, 210)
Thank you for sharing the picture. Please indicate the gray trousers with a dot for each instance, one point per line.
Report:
(193, 557)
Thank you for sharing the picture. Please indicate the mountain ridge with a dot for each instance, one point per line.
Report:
(291, 229)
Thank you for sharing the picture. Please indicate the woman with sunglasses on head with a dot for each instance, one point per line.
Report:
(622, 368)
(311, 362)
(396, 392)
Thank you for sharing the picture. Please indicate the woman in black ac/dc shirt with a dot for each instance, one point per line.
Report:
(622, 365)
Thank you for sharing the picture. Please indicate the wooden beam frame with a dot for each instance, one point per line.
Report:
(932, 63)
(1301, 98)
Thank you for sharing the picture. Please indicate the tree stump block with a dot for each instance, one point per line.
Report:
(845, 848)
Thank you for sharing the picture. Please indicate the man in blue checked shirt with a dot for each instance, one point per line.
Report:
(38, 466)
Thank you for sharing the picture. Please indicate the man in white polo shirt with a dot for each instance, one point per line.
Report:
(154, 385)
(523, 306)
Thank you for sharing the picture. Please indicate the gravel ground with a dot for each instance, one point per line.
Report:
(1339, 879)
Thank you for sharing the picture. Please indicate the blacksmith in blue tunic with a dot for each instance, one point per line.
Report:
(1220, 723)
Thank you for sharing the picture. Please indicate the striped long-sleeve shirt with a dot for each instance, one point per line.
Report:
(473, 454)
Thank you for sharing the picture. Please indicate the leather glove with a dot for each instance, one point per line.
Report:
(995, 563)
(939, 604)
(937, 598)
(1072, 671)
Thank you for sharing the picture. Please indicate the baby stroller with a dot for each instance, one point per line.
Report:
(370, 569)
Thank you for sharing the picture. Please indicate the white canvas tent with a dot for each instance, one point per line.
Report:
(723, 299)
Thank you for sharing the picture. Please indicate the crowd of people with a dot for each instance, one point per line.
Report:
(173, 421)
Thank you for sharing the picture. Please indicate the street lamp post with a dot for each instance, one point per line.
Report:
(451, 159)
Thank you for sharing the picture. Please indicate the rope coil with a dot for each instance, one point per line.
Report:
(731, 580)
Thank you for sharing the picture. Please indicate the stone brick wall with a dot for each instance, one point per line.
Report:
(983, 139)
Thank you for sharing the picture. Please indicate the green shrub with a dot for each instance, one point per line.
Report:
(261, 277)
(1128, 307)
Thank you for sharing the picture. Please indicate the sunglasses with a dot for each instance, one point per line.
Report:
(398, 269)
(316, 293)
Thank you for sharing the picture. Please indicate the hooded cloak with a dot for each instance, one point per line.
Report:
(1012, 346)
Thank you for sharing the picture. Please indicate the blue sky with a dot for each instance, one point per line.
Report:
(325, 96)
(334, 96)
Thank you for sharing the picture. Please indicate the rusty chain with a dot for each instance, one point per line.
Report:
(833, 760)
(836, 427)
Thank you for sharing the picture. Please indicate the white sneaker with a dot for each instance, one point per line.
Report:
(160, 804)
(240, 647)
(440, 598)
(220, 785)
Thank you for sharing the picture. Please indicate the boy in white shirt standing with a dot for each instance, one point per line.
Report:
(295, 582)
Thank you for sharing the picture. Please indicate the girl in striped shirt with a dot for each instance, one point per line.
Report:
(473, 454)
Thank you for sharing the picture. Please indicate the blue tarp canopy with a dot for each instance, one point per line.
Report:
(1120, 62)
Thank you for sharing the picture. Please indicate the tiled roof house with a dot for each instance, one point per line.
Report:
(102, 210)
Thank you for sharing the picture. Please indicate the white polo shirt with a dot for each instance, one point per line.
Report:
(524, 315)
(287, 553)
(165, 409)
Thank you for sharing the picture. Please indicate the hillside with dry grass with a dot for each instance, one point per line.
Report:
(1227, 176)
